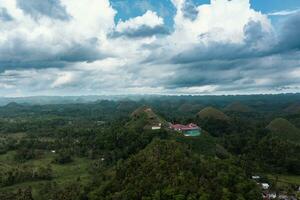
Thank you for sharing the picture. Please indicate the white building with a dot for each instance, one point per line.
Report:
(265, 186)
(156, 127)
(255, 177)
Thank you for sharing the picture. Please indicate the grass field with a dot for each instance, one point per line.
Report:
(286, 179)
(62, 174)
(16, 136)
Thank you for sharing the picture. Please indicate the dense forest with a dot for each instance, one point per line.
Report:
(106, 149)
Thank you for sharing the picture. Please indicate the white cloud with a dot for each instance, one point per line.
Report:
(220, 21)
(63, 78)
(150, 19)
(284, 12)
(50, 39)
(82, 57)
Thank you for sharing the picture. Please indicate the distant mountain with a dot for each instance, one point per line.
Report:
(237, 107)
(282, 128)
(213, 113)
(293, 108)
(146, 118)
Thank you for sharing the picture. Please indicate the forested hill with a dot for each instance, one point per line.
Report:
(107, 149)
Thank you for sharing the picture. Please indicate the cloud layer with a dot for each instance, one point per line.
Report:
(67, 47)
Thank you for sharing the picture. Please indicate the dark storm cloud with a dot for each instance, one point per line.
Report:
(216, 72)
(141, 31)
(254, 33)
(4, 15)
(244, 74)
(80, 52)
(38, 8)
(263, 61)
(290, 34)
(257, 43)
(19, 54)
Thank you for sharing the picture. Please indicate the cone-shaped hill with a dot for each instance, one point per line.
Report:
(188, 107)
(237, 107)
(293, 108)
(145, 117)
(282, 128)
(212, 113)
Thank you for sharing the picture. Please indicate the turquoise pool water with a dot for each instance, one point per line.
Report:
(192, 133)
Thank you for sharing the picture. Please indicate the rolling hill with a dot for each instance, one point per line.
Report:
(282, 128)
(212, 113)
(144, 116)
(237, 107)
(188, 107)
(293, 108)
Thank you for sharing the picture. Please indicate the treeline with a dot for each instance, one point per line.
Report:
(264, 152)
(169, 170)
(24, 173)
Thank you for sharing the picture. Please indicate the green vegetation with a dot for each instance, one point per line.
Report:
(293, 108)
(237, 107)
(108, 150)
(285, 179)
(283, 129)
(144, 117)
(169, 170)
(212, 113)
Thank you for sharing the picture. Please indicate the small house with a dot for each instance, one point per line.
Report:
(265, 186)
(156, 127)
(273, 195)
(255, 177)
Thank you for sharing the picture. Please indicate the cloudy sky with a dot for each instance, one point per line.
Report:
(71, 47)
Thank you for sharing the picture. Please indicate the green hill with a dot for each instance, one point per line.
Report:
(145, 117)
(293, 108)
(213, 113)
(203, 144)
(188, 107)
(237, 107)
(169, 170)
(282, 128)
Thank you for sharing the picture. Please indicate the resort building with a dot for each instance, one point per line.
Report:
(188, 130)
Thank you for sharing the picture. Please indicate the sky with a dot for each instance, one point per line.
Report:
(173, 47)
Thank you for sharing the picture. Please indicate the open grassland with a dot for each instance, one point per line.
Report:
(62, 174)
(286, 179)
(16, 136)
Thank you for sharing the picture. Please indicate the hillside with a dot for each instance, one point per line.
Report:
(177, 174)
(293, 108)
(237, 107)
(213, 113)
(189, 107)
(145, 117)
(282, 128)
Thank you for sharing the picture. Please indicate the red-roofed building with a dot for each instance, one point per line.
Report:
(188, 130)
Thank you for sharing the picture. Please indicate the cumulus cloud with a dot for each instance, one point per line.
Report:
(147, 25)
(74, 48)
(289, 33)
(39, 35)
